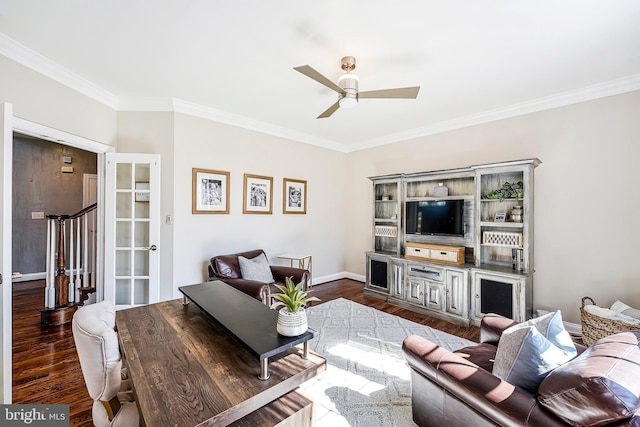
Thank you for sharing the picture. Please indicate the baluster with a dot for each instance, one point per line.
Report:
(78, 262)
(85, 275)
(48, 282)
(71, 291)
(94, 244)
(51, 289)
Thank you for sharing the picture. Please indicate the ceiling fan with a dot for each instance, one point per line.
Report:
(347, 87)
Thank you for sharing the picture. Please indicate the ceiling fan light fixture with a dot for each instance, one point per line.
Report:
(349, 100)
(349, 83)
(347, 87)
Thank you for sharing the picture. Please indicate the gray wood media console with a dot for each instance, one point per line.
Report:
(455, 244)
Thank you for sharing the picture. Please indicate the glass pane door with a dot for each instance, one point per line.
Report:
(131, 276)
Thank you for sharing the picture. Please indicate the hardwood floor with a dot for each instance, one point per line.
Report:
(45, 362)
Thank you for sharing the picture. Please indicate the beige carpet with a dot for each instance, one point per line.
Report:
(367, 381)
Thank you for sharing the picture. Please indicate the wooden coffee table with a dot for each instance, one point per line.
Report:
(187, 369)
(246, 318)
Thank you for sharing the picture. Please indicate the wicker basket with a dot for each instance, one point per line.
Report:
(596, 327)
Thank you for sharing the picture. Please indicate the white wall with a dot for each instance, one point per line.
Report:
(321, 232)
(586, 201)
(41, 100)
(143, 132)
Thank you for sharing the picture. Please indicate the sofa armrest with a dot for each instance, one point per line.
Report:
(491, 327)
(485, 394)
(258, 290)
(297, 274)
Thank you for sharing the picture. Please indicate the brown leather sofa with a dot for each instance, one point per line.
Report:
(599, 387)
(227, 269)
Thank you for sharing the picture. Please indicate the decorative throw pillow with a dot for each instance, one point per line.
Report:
(256, 269)
(528, 351)
(622, 308)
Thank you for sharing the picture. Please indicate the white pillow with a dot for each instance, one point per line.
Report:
(620, 307)
(610, 314)
(529, 351)
(256, 269)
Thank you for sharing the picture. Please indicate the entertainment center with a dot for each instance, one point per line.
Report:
(455, 244)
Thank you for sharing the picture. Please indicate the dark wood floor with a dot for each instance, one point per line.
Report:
(45, 362)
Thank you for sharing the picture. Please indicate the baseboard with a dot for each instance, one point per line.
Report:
(29, 276)
(338, 276)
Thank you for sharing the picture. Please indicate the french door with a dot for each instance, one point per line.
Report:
(132, 229)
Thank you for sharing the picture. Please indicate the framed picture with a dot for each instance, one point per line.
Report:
(257, 194)
(210, 192)
(142, 196)
(294, 196)
(500, 217)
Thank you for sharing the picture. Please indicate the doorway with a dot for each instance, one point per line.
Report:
(48, 179)
(8, 125)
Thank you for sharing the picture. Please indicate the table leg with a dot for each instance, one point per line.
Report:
(264, 369)
(305, 350)
(185, 300)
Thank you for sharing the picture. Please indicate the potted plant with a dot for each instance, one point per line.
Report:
(292, 318)
(509, 190)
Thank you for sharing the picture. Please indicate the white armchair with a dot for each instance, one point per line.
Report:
(99, 353)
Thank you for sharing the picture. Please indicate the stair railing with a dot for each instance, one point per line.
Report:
(71, 247)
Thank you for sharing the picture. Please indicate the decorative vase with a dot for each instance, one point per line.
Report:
(292, 324)
(440, 190)
(516, 214)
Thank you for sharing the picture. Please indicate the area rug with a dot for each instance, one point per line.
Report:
(367, 381)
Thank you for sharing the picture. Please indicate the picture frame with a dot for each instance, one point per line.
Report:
(142, 196)
(257, 194)
(500, 217)
(210, 191)
(294, 196)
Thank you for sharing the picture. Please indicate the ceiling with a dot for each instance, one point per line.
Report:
(475, 60)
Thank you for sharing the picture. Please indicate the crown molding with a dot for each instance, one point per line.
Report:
(589, 93)
(33, 60)
(213, 114)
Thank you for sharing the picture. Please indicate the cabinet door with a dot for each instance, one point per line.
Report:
(435, 296)
(397, 282)
(378, 274)
(494, 293)
(415, 291)
(456, 285)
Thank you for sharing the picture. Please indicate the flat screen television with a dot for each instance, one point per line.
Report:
(435, 217)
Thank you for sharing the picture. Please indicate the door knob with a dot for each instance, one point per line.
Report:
(152, 248)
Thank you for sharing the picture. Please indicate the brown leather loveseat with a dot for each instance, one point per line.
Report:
(226, 268)
(601, 386)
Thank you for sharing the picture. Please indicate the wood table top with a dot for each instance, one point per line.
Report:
(187, 370)
(248, 319)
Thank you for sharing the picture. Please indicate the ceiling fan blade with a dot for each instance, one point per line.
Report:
(329, 111)
(310, 72)
(404, 92)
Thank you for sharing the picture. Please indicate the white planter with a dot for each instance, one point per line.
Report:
(292, 324)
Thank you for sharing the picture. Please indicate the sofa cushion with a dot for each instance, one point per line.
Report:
(528, 351)
(598, 387)
(256, 269)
